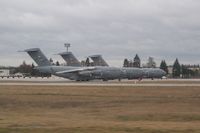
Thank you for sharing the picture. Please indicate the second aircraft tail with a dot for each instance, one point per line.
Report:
(70, 59)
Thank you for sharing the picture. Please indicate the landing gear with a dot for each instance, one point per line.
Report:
(105, 80)
(82, 80)
(140, 79)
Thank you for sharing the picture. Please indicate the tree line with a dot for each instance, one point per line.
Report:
(178, 70)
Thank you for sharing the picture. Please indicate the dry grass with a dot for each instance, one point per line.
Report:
(47, 109)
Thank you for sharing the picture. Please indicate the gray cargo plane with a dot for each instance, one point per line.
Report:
(99, 61)
(88, 73)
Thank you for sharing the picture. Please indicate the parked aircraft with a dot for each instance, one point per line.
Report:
(99, 61)
(88, 73)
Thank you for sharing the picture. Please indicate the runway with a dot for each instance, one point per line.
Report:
(88, 84)
(65, 82)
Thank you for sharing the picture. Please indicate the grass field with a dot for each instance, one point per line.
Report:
(47, 109)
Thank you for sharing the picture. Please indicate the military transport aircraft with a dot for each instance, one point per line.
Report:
(79, 73)
(98, 60)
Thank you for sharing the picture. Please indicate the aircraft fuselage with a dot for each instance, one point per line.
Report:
(104, 73)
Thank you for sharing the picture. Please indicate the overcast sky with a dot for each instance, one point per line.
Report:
(117, 29)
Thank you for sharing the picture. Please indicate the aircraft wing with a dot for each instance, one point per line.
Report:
(75, 70)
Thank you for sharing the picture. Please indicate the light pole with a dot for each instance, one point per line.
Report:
(67, 45)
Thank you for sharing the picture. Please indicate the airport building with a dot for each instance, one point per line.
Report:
(4, 72)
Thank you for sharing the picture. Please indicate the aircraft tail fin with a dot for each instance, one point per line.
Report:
(37, 55)
(70, 59)
(98, 60)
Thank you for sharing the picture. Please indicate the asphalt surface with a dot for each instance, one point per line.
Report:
(64, 82)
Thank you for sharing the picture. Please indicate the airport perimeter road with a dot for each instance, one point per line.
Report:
(64, 82)
(92, 84)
